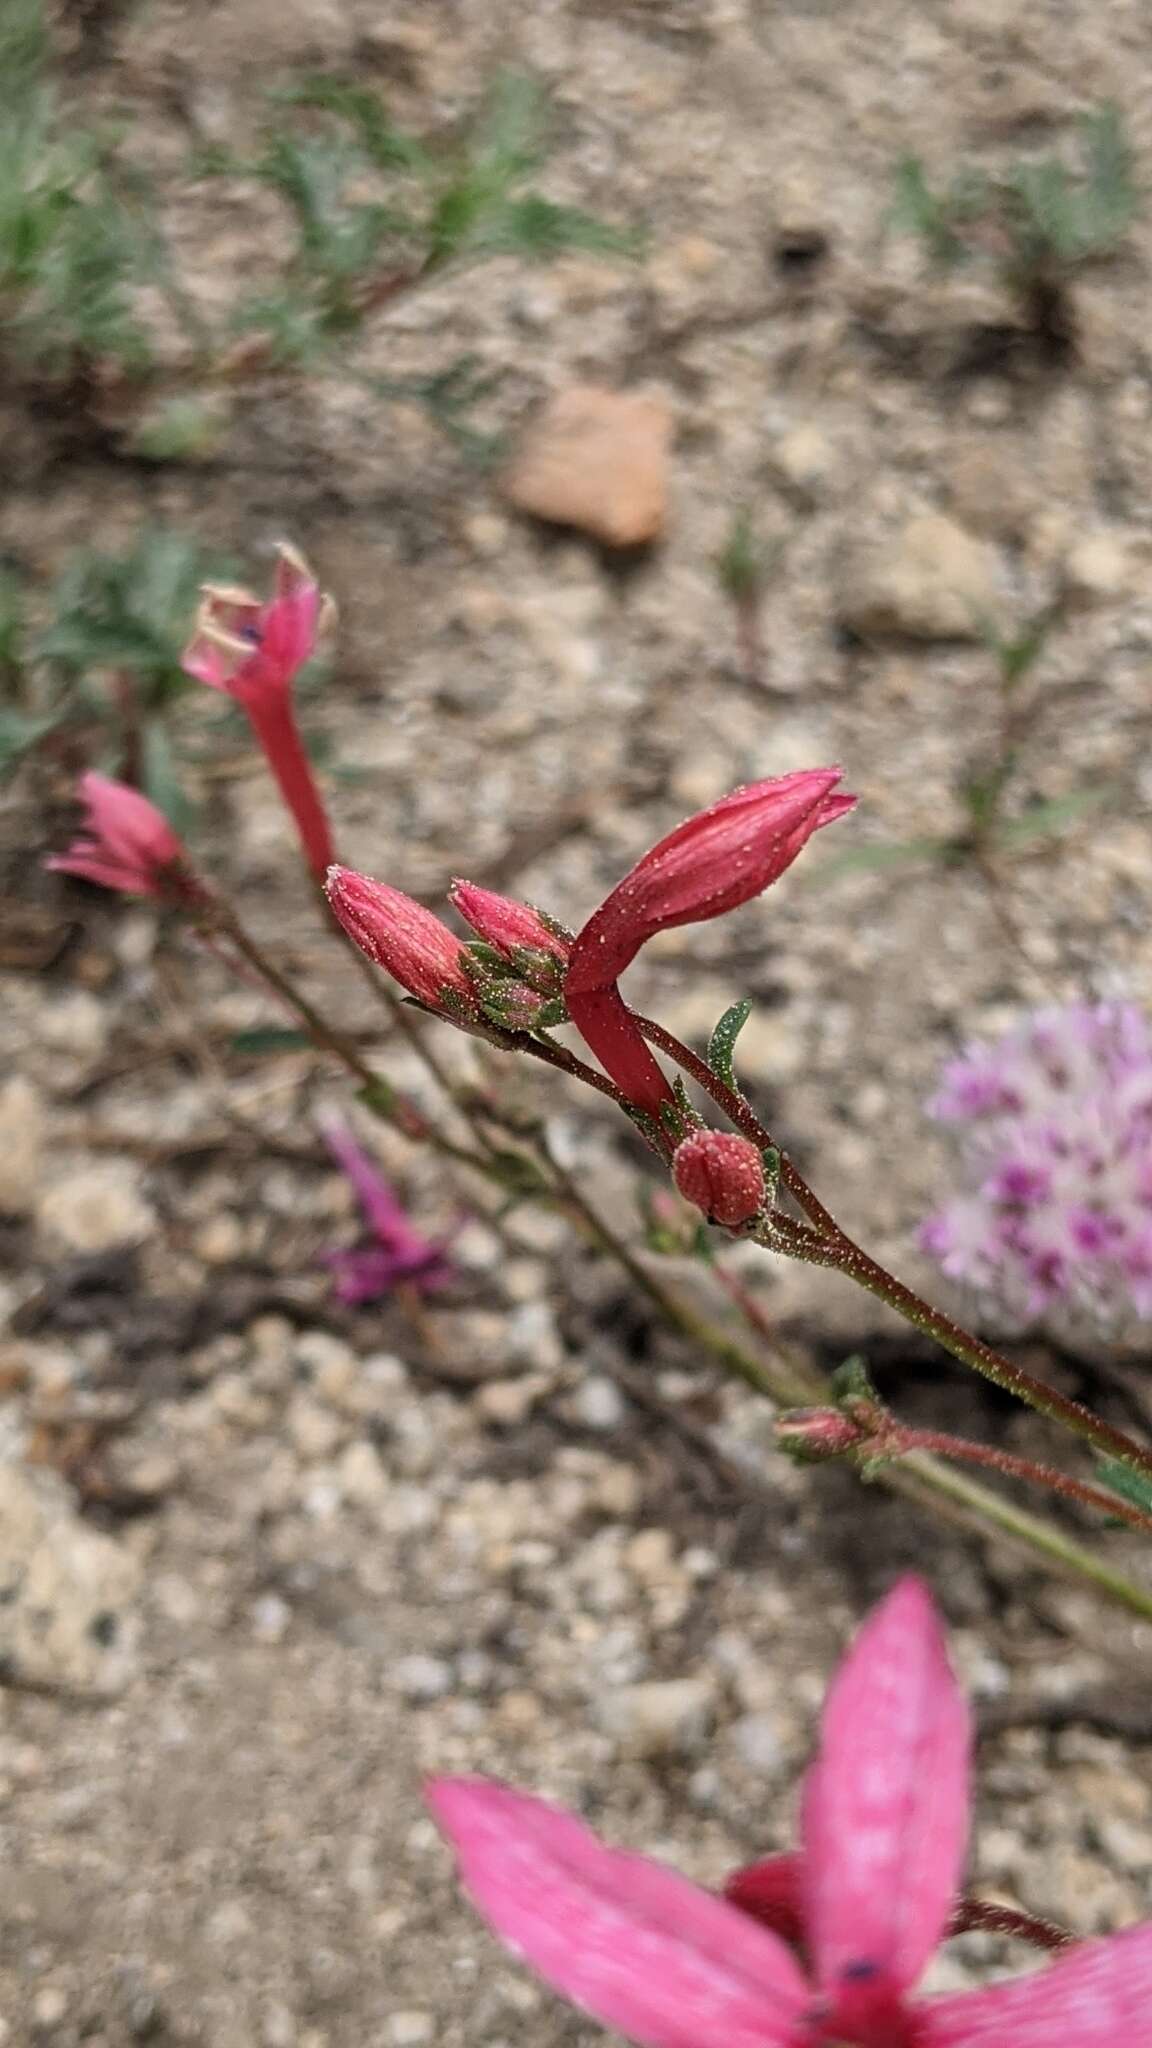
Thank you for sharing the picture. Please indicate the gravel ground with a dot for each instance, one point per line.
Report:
(300, 1555)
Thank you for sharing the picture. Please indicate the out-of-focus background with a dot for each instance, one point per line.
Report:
(872, 289)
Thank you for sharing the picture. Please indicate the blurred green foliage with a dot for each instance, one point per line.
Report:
(1039, 220)
(107, 660)
(374, 213)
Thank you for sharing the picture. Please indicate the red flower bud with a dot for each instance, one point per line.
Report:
(818, 1432)
(713, 862)
(402, 937)
(721, 1173)
(126, 843)
(506, 924)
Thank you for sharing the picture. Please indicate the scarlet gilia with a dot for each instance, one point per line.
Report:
(720, 858)
(253, 651)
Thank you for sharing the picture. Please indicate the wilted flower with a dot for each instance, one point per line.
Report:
(722, 857)
(884, 1825)
(253, 652)
(405, 939)
(722, 1174)
(398, 1253)
(126, 843)
(1054, 1191)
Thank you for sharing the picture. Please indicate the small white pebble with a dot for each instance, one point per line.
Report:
(420, 1677)
(409, 2029)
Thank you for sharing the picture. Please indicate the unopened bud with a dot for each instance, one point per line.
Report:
(405, 939)
(722, 1174)
(511, 927)
(815, 1433)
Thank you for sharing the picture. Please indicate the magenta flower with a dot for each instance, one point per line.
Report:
(253, 652)
(397, 1254)
(1053, 1201)
(126, 843)
(722, 857)
(884, 1826)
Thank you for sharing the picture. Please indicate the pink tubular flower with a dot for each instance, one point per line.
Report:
(126, 843)
(402, 937)
(398, 1254)
(252, 652)
(722, 1174)
(506, 924)
(720, 858)
(884, 1826)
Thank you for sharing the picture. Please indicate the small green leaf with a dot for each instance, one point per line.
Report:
(379, 1098)
(850, 1381)
(722, 1043)
(1121, 1479)
(19, 732)
(863, 860)
(269, 1038)
(158, 775)
(1041, 819)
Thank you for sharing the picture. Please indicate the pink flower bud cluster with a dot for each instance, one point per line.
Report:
(1053, 1203)
(720, 858)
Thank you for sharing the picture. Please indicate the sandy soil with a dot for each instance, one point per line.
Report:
(494, 1533)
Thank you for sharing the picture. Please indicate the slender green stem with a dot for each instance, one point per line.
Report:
(918, 1476)
(777, 1381)
(1037, 1535)
(224, 923)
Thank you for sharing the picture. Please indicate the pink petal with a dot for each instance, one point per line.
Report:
(89, 866)
(632, 1943)
(885, 1804)
(127, 825)
(1099, 1995)
(290, 622)
(207, 662)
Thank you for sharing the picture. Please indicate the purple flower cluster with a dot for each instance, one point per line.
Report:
(1054, 1204)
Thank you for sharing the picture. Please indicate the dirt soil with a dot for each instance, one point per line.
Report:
(520, 1528)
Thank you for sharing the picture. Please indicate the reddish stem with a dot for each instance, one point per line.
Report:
(982, 1916)
(273, 721)
(893, 1439)
(842, 1252)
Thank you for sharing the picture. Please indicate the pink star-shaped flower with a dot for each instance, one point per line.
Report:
(884, 1834)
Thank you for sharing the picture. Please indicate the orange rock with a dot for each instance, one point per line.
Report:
(596, 460)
